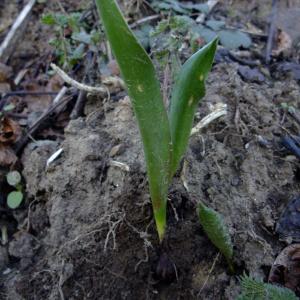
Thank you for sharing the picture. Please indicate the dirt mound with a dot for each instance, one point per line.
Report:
(91, 233)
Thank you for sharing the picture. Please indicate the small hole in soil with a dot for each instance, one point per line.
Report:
(166, 270)
(239, 269)
(266, 270)
(297, 174)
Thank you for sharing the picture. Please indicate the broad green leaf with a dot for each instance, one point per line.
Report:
(188, 90)
(207, 34)
(14, 199)
(232, 39)
(144, 90)
(216, 230)
(215, 25)
(170, 5)
(201, 7)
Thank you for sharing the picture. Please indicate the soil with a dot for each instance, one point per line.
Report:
(90, 232)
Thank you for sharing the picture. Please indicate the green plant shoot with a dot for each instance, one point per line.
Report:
(164, 141)
(257, 289)
(214, 227)
(188, 90)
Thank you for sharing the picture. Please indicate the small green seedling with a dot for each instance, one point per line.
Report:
(6, 109)
(214, 227)
(14, 198)
(71, 48)
(165, 134)
(258, 290)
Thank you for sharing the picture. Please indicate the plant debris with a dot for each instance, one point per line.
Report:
(286, 268)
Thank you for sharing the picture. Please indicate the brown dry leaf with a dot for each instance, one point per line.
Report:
(4, 88)
(10, 131)
(40, 103)
(286, 268)
(284, 43)
(37, 103)
(55, 83)
(7, 156)
(5, 72)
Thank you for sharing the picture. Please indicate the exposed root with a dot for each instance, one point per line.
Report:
(147, 244)
(209, 273)
(174, 209)
(112, 232)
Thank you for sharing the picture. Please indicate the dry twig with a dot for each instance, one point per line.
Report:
(272, 30)
(8, 45)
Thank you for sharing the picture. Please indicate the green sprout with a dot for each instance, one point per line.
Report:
(164, 134)
(14, 198)
(6, 109)
(72, 48)
(258, 290)
(214, 227)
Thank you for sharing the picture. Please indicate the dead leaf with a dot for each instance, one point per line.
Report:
(4, 87)
(41, 102)
(5, 72)
(10, 131)
(37, 103)
(55, 84)
(7, 156)
(284, 43)
(286, 268)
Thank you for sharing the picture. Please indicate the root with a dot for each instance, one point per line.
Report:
(112, 232)
(147, 244)
(209, 273)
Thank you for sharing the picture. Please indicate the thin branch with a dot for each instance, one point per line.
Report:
(8, 45)
(272, 30)
(78, 85)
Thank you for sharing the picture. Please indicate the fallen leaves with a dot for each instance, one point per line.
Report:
(7, 156)
(284, 43)
(10, 132)
(286, 268)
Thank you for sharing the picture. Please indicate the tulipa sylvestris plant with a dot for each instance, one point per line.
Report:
(165, 135)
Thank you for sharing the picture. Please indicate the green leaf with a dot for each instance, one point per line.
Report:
(187, 92)
(216, 230)
(207, 34)
(14, 199)
(73, 21)
(82, 37)
(215, 25)
(9, 107)
(48, 19)
(170, 5)
(180, 23)
(258, 290)
(144, 90)
(232, 39)
(61, 20)
(143, 35)
(201, 7)
(13, 178)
